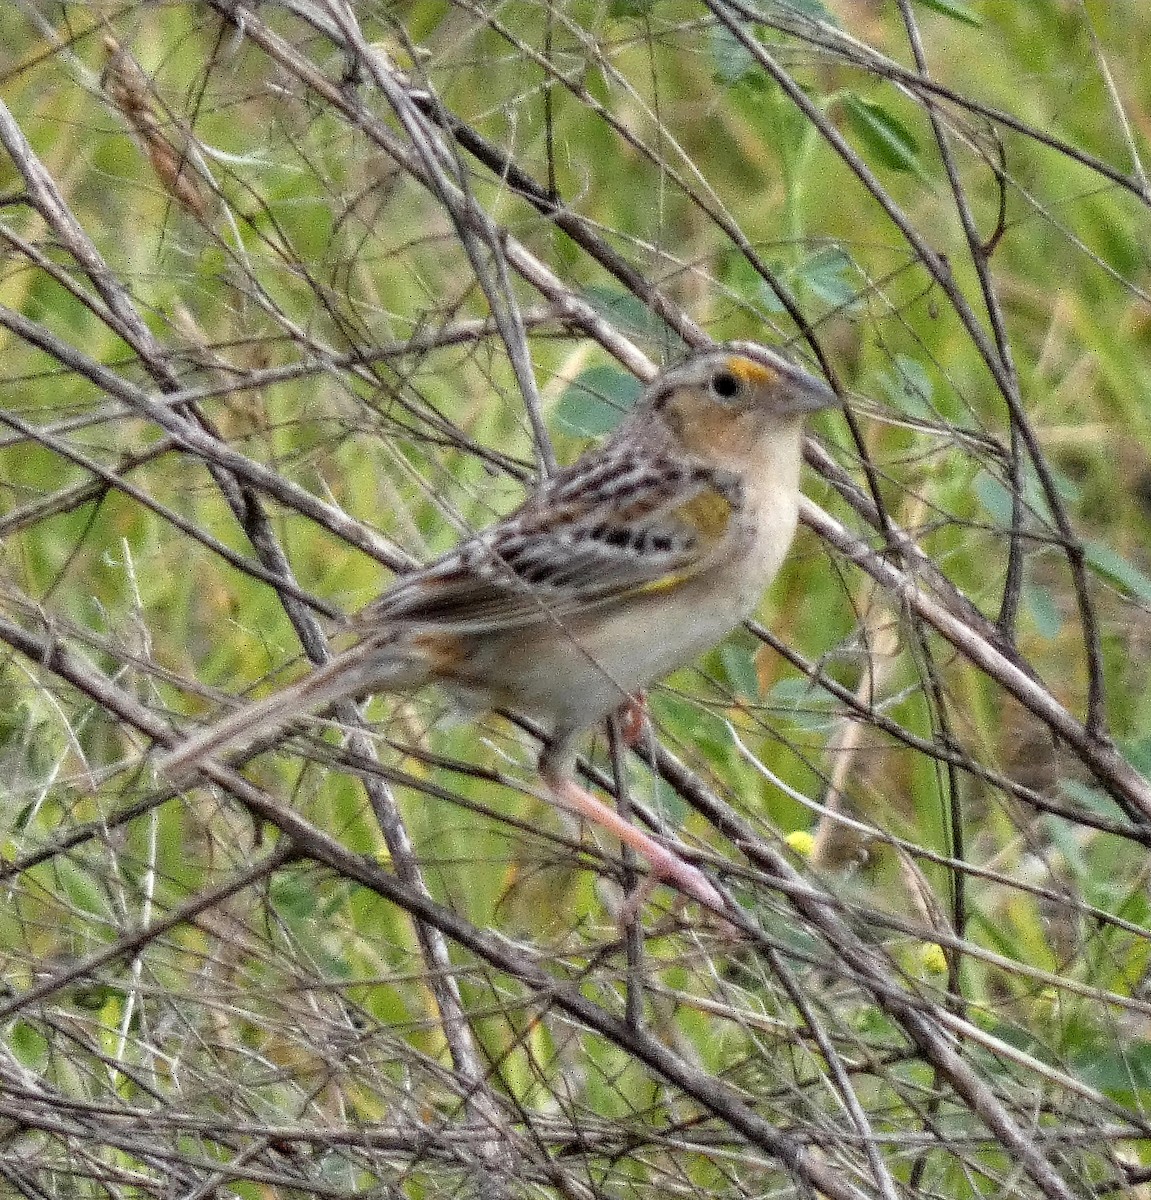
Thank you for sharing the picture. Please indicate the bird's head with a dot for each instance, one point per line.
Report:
(722, 405)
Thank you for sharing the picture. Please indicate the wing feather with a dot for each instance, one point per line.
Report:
(590, 537)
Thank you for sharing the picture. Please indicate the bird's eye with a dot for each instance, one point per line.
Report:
(725, 385)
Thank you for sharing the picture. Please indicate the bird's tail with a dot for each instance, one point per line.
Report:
(361, 669)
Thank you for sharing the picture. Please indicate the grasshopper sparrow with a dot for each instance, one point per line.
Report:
(614, 572)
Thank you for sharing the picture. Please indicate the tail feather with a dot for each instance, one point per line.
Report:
(364, 668)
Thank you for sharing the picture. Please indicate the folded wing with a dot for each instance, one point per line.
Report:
(590, 537)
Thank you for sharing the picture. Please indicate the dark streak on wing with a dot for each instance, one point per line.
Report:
(593, 534)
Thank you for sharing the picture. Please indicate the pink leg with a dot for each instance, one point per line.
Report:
(666, 865)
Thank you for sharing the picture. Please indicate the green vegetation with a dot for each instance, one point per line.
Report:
(243, 337)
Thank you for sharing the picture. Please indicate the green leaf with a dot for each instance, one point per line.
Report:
(1043, 609)
(293, 897)
(1138, 754)
(597, 400)
(732, 61)
(627, 313)
(768, 300)
(831, 275)
(1125, 1070)
(909, 387)
(994, 497)
(748, 283)
(884, 135)
(804, 703)
(1090, 798)
(1067, 838)
(28, 1044)
(82, 889)
(1114, 567)
(739, 665)
(957, 10)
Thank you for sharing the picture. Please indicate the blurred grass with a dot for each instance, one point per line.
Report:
(330, 238)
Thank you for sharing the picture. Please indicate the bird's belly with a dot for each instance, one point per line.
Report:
(571, 676)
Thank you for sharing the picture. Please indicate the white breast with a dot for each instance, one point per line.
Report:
(575, 676)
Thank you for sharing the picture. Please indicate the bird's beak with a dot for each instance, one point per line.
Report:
(800, 392)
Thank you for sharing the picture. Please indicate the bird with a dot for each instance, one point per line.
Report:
(615, 571)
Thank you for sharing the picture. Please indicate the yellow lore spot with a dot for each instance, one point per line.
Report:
(753, 373)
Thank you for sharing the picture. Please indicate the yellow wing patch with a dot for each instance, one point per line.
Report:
(708, 512)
